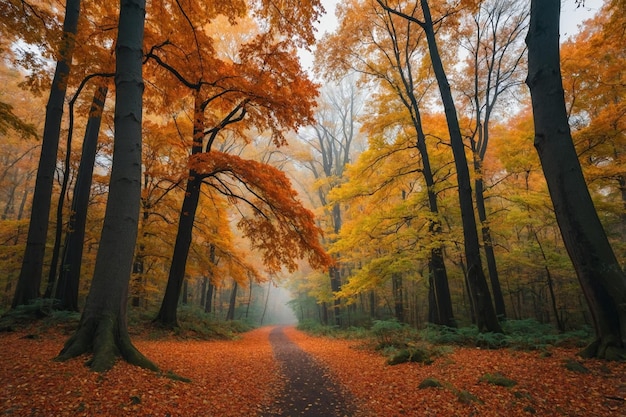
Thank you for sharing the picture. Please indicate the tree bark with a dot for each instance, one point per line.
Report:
(69, 275)
(167, 315)
(492, 268)
(103, 329)
(230, 314)
(442, 309)
(485, 314)
(29, 281)
(602, 280)
(398, 291)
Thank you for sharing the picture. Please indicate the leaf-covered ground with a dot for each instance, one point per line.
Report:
(241, 378)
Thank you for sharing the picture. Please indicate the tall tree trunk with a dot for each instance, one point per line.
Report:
(492, 268)
(208, 306)
(335, 286)
(69, 276)
(29, 279)
(103, 327)
(267, 298)
(441, 291)
(335, 271)
(485, 314)
(398, 291)
(602, 280)
(203, 288)
(167, 315)
(230, 314)
(440, 296)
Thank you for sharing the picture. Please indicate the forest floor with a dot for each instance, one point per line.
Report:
(243, 378)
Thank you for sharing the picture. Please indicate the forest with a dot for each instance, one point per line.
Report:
(447, 165)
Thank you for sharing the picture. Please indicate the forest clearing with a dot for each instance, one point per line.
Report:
(241, 378)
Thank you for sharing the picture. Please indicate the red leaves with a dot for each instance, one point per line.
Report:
(229, 378)
(543, 384)
(279, 225)
(236, 378)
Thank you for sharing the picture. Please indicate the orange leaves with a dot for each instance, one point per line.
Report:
(229, 379)
(273, 219)
(544, 387)
(237, 378)
(292, 17)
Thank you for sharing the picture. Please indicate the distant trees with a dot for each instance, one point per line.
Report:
(209, 207)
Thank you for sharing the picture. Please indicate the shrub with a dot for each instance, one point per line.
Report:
(430, 383)
(498, 379)
(422, 353)
(390, 333)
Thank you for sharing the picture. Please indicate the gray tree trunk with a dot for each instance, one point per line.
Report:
(167, 315)
(69, 275)
(602, 280)
(29, 279)
(103, 328)
(485, 314)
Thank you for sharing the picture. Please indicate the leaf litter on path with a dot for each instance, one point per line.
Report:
(242, 378)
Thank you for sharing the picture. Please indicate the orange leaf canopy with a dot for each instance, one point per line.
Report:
(279, 225)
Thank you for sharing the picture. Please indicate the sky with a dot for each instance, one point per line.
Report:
(571, 17)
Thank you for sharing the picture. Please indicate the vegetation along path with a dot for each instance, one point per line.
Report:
(276, 372)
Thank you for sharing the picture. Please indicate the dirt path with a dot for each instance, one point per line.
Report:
(278, 372)
(309, 391)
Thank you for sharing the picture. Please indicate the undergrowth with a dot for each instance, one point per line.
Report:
(42, 315)
(400, 342)
(193, 323)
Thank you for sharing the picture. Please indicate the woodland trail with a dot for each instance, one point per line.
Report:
(278, 372)
(308, 390)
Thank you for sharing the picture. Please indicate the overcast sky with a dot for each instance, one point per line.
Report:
(571, 17)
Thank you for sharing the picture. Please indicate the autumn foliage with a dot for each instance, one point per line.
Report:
(234, 378)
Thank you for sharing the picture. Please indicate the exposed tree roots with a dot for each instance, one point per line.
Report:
(607, 349)
(106, 340)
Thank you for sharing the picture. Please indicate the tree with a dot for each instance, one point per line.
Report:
(602, 280)
(332, 140)
(485, 314)
(242, 93)
(493, 41)
(69, 275)
(388, 50)
(103, 328)
(592, 64)
(29, 279)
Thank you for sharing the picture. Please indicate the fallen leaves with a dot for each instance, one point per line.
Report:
(229, 378)
(543, 386)
(241, 378)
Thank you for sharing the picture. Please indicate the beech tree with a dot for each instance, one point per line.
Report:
(602, 280)
(103, 328)
(592, 64)
(492, 36)
(485, 314)
(29, 279)
(67, 286)
(233, 91)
